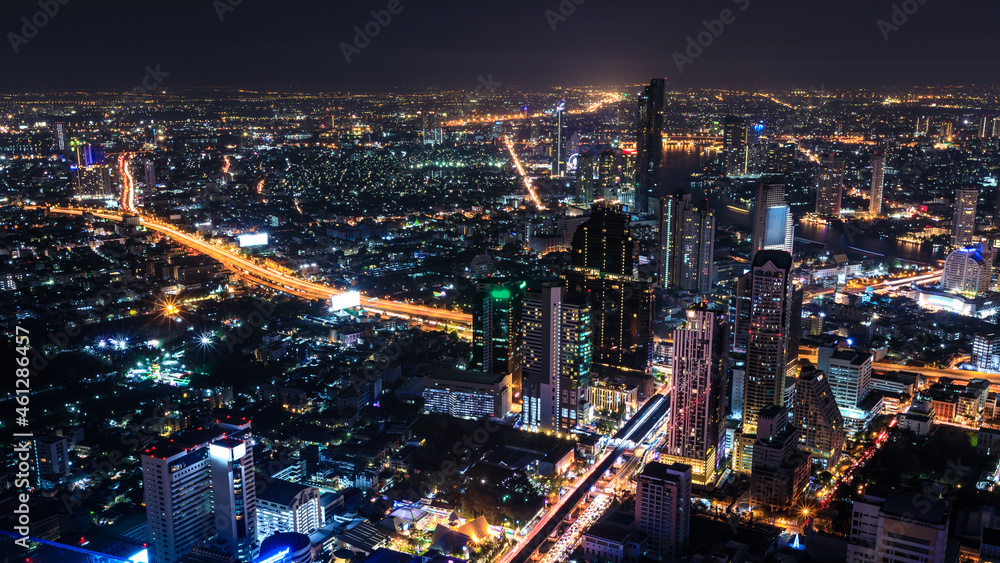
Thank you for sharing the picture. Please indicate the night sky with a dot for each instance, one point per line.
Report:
(296, 44)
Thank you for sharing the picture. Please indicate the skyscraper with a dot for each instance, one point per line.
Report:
(769, 298)
(964, 224)
(697, 433)
(560, 157)
(496, 338)
(878, 178)
(649, 143)
(849, 373)
(62, 141)
(198, 486)
(830, 186)
(607, 176)
(687, 244)
(985, 127)
(603, 265)
(968, 271)
(923, 126)
(945, 132)
(735, 131)
(773, 224)
(817, 414)
(585, 178)
(663, 506)
(557, 358)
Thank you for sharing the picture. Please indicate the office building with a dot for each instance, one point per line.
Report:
(985, 127)
(735, 140)
(51, 460)
(62, 139)
(663, 506)
(496, 337)
(649, 143)
(767, 293)
(697, 428)
(687, 244)
(432, 129)
(817, 415)
(234, 495)
(964, 223)
(603, 266)
(780, 470)
(557, 358)
(968, 271)
(878, 180)
(468, 394)
(559, 168)
(773, 227)
(898, 526)
(200, 486)
(830, 186)
(849, 373)
(607, 176)
(585, 172)
(283, 506)
(986, 351)
(923, 126)
(149, 173)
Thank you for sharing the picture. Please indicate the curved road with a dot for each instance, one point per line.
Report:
(289, 284)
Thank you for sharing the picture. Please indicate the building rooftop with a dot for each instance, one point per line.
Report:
(466, 376)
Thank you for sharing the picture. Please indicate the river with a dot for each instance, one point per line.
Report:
(680, 162)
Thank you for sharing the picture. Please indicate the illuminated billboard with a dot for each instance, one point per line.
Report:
(345, 301)
(255, 239)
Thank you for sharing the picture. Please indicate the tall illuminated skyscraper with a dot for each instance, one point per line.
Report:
(830, 186)
(697, 433)
(773, 227)
(687, 244)
(557, 358)
(878, 178)
(200, 486)
(946, 132)
(585, 168)
(963, 228)
(736, 133)
(985, 127)
(768, 341)
(560, 158)
(663, 506)
(649, 143)
(496, 337)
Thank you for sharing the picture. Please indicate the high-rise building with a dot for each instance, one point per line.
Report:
(995, 134)
(878, 180)
(986, 351)
(968, 271)
(695, 239)
(817, 414)
(559, 169)
(963, 228)
(923, 126)
(697, 434)
(62, 140)
(985, 127)
(149, 169)
(557, 359)
(496, 338)
(900, 527)
(849, 373)
(663, 506)
(780, 470)
(603, 265)
(768, 293)
(830, 186)
(607, 183)
(649, 143)
(773, 224)
(198, 486)
(585, 169)
(945, 132)
(51, 459)
(234, 495)
(283, 506)
(627, 186)
(433, 132)
(604, 243)
(667, 237)
(735, 131)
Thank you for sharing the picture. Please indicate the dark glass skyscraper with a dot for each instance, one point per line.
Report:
(585, 168)
(734, 143)
(649, 143)
(496, 338)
